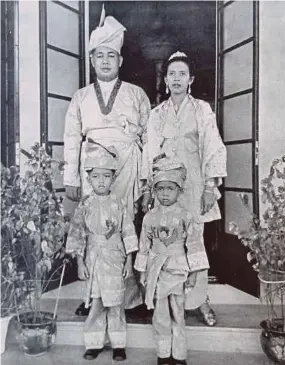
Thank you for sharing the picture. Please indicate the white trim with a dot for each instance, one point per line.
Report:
(86, 32)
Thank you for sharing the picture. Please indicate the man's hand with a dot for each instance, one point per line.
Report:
(128, 268)
(73, 192)
(208, 200)
(82, 270)
(146, 201)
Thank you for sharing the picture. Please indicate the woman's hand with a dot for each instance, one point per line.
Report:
(82, 270)
(208, 200)
(143, 279)
(128, 268)
(146, 201)
(191, 281)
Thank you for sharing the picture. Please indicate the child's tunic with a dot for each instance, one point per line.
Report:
(104, 258)
(167, 266)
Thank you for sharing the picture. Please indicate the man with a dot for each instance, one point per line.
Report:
(110, 112)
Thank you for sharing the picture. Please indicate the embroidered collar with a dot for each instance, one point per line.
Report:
(106, 109)
(101, 198)
(170, 208)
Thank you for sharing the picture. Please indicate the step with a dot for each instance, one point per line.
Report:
(72, 355)
(237, 330)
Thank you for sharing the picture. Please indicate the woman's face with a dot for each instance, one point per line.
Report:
(178, 77)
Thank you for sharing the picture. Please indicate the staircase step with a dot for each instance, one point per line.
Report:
(237, 330)
(72, 355)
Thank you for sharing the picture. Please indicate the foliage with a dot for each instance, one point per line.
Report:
(32, 230)
(265, 238)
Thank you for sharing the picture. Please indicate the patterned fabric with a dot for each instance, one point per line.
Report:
(100, 156)
(167, 267)
(103, 320)
(190, 136)
(169, 328)
(124, 128)
(104, 257)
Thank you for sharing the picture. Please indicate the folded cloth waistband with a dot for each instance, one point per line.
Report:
(174, 249)
(111, 135)
(99, 240)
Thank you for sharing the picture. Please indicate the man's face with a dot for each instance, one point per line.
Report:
(101, 180)
(106, 63)
(167, 192)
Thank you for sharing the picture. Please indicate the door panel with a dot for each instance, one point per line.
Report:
(238, 121)
(237, 113)
(235, 210)
(235, 30)
(62, 69)
(61, 18)
(63, 73)
(239, 166)
(238, 69)
(56, 111)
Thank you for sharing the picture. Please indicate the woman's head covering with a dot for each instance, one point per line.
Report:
(165, 169)
(109, 33)
(177, 54)
(98, 156)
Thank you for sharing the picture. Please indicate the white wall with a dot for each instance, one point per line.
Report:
(272, 84)
(29, 74)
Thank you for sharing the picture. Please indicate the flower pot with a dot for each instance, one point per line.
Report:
(272, 340)
(36, 332)
(4, 323)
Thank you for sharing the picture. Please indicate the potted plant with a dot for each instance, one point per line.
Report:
(265, 240)
(8, 273)
(32, 229)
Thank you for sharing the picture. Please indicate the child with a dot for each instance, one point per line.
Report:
(170, 254)
(102, 237)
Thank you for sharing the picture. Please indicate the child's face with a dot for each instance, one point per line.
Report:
(167, 192)
(101, 180)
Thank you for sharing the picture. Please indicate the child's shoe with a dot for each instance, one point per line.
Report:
(178, 362)
(164, 361)
(119, 354)
(92, 354)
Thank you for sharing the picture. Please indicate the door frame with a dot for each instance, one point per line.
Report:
(44, 46)
(237, 272)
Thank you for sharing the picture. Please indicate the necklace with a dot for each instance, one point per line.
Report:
(106, 109)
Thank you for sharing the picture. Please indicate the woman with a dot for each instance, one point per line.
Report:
(185, 128)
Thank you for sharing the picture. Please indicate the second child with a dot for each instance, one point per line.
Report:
(171, 253)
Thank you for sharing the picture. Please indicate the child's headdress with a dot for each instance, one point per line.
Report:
(165, 169)
(100, 156)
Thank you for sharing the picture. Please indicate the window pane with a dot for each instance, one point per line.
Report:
(235, 211)
(56, 115)
(239, 166)
(62, 28)
(238, 69)
(238, 118)
(63, 73)
(238, 22)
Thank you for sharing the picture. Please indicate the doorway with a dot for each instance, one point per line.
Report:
(221, 38)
